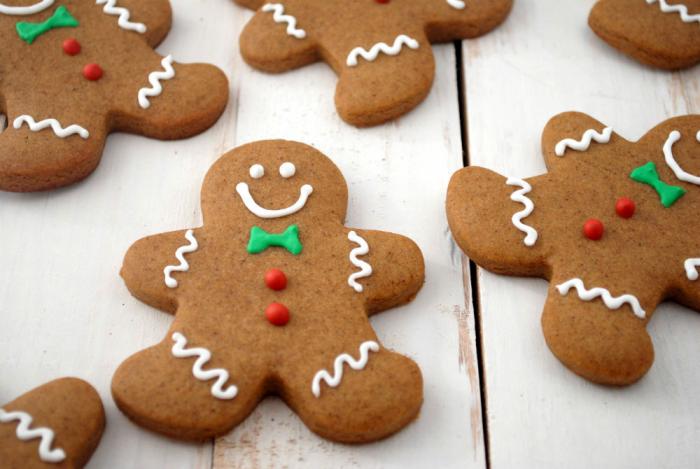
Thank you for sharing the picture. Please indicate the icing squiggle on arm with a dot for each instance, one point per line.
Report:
(458, 4)
(279, 17)
(184, 266)
(679, 8)
(365, 268)
(585, 142)
(154, 79)
(610, 301)
(372, 54)
(124, 15)
(357, 365)
(519, 196)
(24, 11)
(682, 175)
(691, 269)
(203, 356)
(59, 131)
(25, 432)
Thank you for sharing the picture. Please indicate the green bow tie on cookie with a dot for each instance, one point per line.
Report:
(648, 174)
(260, 240)
(62, 18)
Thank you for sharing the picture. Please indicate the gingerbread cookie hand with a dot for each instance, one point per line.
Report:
(272, 296)
(76, 70)
(591, 227)
(57, 425)
(370, 44)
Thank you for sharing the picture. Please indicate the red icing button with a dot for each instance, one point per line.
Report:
(71, 47)
(593, 229)
(625, 207)
(275, 279)
(382, 1)
(92, 72)
(277, 314)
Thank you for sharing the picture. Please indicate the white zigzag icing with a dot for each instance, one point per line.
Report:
(681, 9)
(154, 79)
(203, 356)
(334, 381)
(371, 55)
(681, 174)
(365, 268)
(184, 266)
(124, 15)
(609, 301)
(585, 142)
(59, 131)
(458, 4)
(519, 196)
(279, 17)
(24, 432)
(691, 268)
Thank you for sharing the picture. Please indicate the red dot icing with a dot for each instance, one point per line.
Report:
(625, 207)
(593, 229)
(275, 279)
(277, 314)
(92, 72)
(71, 46)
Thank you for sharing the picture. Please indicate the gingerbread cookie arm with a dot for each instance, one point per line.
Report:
(496, 222)
(153, 19)
(386, 268)
(154, 267)
(174, 101)
(274, 41)
(449, 20)
(61, 423)
(252, 4)
(574, 134)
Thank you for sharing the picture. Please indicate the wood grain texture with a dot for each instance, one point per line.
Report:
(544, 61)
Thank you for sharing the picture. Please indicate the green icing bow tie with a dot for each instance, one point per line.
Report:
(648, 174)
(62, 18)
(260, 240)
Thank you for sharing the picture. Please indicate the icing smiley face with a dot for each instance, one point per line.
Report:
(257, 171)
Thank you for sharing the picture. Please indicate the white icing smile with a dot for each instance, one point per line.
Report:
(250, 203)
(30, 10)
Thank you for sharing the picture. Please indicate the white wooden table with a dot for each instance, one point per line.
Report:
(65, 311)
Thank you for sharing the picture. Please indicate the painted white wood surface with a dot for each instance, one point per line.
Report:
(65, 311)
(545, 61)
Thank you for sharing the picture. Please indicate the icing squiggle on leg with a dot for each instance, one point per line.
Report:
(610, 301)
(55, 126)
(519, 196)
(372, 54)
(334, 381)
(25, 432)
(585, 142)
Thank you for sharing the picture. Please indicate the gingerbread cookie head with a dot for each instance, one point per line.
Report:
(611, 226)
(380, 49)
(57, 425)
(272, 296)
(660, 33)
(75, 70)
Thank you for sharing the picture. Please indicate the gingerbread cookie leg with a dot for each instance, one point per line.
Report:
(355, 393)
(210, 397)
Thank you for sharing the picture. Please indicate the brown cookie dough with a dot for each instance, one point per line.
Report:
(72, 71)
(272, 296)
(379, 49)
(613, 226)
(660, 33)
(57, 425)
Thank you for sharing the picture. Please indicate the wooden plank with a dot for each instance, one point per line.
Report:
(545, 61)
(397, 175)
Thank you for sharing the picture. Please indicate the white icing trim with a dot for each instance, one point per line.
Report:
(334, 381)
(673, 137)
(59, 131)
(23, 11)
(124, 15)
(691, 269)
(253, 207)
(365, 268)
(519, 196)
(24, 432)
(203, 356)
(610, 301)
(279, 17)
(585, 142)
(457, 4)
(184, 266)
(154, 79)
(679, 8)
(373, 53)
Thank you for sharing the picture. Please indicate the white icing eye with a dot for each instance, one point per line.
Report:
(287, 170)
(257, 171)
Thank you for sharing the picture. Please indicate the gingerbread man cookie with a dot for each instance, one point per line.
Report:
(380, 49)
(272, 296)
(613, 226)
(72, 71)
(57, 425)
(660, 33)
